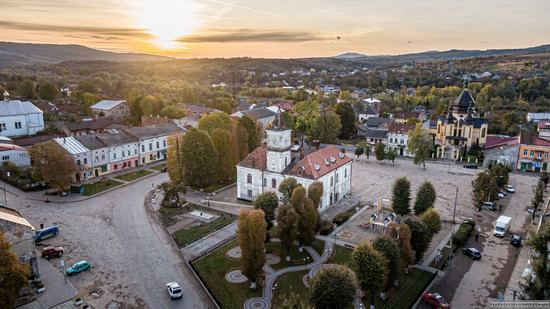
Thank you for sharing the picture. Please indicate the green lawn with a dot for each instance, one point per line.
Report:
(212, 269)
(100, 186)
(217, 186)
(296, 257)
(188, 235)
(159, 167)
(288, 284)
(134, 175)
(342, 256)
(409, 289)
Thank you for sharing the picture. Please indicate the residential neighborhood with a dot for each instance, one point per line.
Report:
(243, 154)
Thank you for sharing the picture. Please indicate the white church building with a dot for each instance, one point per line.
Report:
(267, 166)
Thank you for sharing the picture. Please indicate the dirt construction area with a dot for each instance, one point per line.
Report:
(467, 283)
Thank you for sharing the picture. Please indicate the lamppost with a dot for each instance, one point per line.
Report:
(305, 262)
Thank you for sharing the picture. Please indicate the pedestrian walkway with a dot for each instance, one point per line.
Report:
(427, 261)
(58, 290)
(209, 242)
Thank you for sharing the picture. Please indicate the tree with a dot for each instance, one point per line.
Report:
(537, 286)
(227, 158)
(380, 151)
(215, 121)
(172, 112)
(389, 249)
(240, 136)
(174, 164)
(390, 155)
(150, 105)
(371, 269)
(307, 216)
(199, 158)
(53, 165)
(27, 89)
(49, 92)
(432, 220)
(333, 287)
(545, 177)
(401, 196)
(251, 230)
(307, 113)
(293, 301)
(484, 189)
(401, 233)
(287, 226)
(367, 150)
(420, 143)
(13, 274)
(315, 192)
(421, 236)
(359, 151)
(538, 195)
(171, 196)
(327, 127)
(286, 188)
(347, 119)
(500, 174)
(425, 198)
(267, 202)
(254, 133)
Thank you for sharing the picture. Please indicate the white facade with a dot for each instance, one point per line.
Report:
(398, 142)
(20, 118)
(265, 168)
(153, 149)
(18, 157)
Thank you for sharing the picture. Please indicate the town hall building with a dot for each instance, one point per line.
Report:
(268, 165)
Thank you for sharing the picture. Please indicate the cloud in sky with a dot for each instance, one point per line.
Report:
(249, 35)
(128, 32)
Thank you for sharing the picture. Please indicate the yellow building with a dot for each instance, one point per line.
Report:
(461, 128)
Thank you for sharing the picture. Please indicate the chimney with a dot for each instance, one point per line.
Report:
(317, 144)
(6, 95)
(301, 153)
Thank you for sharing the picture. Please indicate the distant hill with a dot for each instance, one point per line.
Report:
(350, 56)
(451, 54)
(17, 54)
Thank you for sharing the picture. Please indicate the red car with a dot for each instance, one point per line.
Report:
(51, 251)
(436, 300)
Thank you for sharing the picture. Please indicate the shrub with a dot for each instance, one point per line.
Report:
(326, 228)
(463, 233)
(343, 217)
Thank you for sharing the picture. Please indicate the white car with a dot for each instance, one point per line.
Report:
(509, 188)
(174, 290)
(500, 195)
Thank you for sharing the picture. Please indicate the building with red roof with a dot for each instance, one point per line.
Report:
(267, 166)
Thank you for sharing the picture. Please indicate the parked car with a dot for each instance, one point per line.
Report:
(472, 252)
(77, 268)
(509, 188)
(516, 240)
(174, 290)
(471, 166)
(500, 195)
(489, 206)
(436, 300)
(51, 251)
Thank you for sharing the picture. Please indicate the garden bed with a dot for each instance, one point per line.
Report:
(99, 186)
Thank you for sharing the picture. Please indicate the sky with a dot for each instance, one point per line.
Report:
(277, 28)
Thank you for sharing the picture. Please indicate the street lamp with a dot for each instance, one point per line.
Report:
(305, 262)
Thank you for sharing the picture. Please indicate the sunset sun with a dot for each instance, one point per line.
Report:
(167, 20)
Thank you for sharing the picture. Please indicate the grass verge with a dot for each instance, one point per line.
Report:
(188, 235)
(100, 186)
(291, 283)
(133, 175)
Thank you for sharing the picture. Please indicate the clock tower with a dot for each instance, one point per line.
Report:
(279, 143)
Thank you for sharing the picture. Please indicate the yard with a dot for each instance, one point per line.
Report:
(134, 175)
(212, 269)
(100, 186)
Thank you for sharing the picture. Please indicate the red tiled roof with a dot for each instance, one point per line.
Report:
(306, 167)
(496, 141)
(400, 128)
(257, 159)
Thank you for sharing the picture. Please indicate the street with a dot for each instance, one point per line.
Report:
(132, 258)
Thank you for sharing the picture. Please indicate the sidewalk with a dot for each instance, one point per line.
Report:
(209, 242)
(57, 290)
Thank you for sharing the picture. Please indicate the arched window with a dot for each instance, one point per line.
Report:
(331, 180)
(249, 178)
(345, 173)
(336, 177)
(273, 183)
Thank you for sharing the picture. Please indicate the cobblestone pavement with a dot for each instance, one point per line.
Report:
(132, 257)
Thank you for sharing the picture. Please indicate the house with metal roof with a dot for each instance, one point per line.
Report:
(111, 108)
(99, 153)
(123, 149)
(81, 155)
(262, 116)
(13, 153)
(18, 232)
(20, 118)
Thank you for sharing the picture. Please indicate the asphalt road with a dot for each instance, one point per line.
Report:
(132, 257)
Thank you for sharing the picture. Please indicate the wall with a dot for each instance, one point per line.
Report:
(19, 158)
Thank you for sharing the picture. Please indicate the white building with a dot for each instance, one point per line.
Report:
(19, 118)
(398, 137)
(266, 167)
(153, 140)
(81, 154)
(13, 153)
(110, 108)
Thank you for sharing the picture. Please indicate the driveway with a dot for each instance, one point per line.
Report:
(132, 257)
